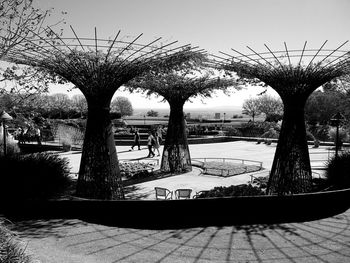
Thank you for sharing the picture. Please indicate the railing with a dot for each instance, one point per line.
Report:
(227, 172)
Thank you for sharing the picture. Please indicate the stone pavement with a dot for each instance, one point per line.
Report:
(73, 240)
(76, 241)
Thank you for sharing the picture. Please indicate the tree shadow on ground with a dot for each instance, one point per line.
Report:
(40, 228)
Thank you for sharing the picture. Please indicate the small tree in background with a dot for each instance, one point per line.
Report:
(251, 108)
(122, 105)
(270, 105)
(79, 104)
(152, 113)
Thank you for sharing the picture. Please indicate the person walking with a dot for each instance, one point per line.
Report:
(150, 143)
(156, 143)
(136, 140)
(38, 135)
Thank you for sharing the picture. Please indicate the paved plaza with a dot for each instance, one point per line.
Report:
(73, 240)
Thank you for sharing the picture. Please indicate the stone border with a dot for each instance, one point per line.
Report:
(165, 214)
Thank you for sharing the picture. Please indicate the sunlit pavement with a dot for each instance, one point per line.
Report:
(61, 240)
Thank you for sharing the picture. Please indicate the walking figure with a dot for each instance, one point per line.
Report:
(150, 143)
(136, 140)
(156, 143)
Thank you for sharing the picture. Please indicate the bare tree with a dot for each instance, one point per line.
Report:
(251, 108)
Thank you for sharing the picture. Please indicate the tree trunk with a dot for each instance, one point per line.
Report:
(99, 174)
(291, 170)
(176, 155)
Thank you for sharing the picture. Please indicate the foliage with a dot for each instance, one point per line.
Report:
(79, 104)
(21, 22)
(251, 108)
(320, 132)
(257, 128)
(152, 113)
(11, 250)
(338, 171)
(342, 135)
(232, 132)
(47, 106)
(136, 170)
(68, 135)
(193, 78)
(33, 176)
(268, 105)
(322, 105)
(122, 105)
(233, 190)
(260, 182)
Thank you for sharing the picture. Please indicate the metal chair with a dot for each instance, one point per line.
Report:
(163, 193)
(183, 193)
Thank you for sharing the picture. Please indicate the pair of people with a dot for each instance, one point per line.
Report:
(153, 142)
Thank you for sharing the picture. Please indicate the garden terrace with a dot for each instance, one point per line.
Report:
(98, 68)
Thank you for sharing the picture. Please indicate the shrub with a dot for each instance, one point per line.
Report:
(69, 135)
(33, 176)
(342, 135)
(11, 250)
(233, 190)
(136, 170)
(233, 132)
(338, 171)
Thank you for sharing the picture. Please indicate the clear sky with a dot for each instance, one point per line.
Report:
(215, 25)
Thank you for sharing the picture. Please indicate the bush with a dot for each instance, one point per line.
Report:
(33, 176)
(136, 170)
(233, 132)
(342, 135)
(11, 250)
(233, 190)
(338, 171)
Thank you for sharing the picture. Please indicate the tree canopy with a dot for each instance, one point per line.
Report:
(122, 105)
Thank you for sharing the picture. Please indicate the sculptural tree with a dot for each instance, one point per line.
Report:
(98, 68)
(190, 79)
(294, 81)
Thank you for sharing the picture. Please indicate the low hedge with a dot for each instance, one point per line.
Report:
(233, 190)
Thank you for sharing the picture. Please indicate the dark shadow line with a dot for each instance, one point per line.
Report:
(143, 248)
(340, 233)
(230, 243)
(198, 257)
(324, 238)
(294, 244)
(98, 239)
(125, 242)
(279, 248)
(181, 245)
(336, 227)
